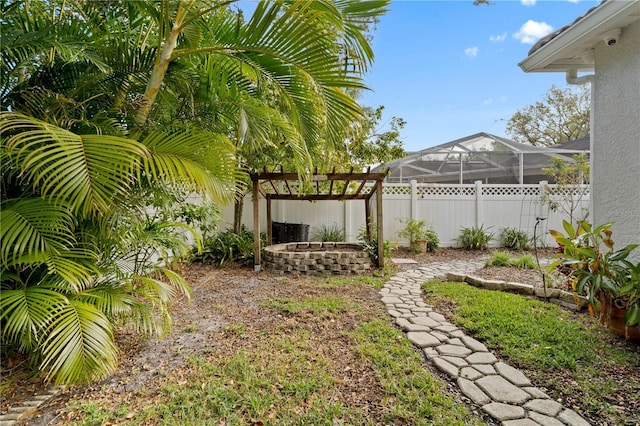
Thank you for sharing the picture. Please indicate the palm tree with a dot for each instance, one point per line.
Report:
(109, 108)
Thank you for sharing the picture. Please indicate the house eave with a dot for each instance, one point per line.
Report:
(572, 47)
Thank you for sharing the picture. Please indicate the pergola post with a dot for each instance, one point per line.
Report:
(380, 235)
(367, 215)
(256, 226)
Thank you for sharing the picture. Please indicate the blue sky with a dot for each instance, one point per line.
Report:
(450, 69)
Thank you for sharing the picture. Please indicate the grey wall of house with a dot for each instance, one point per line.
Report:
(615, 143)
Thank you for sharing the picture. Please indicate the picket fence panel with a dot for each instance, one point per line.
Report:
(446, 207)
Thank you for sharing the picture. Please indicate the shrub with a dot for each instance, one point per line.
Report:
(371, 247)
(514, 239)
(418, 230)
(499, 258)
(204, 218)
(227, 246)
(328, 233)
(602, 274)
(474, 238)
(433, 242)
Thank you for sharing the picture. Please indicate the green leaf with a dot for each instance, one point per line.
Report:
(608, 284)
(79, 345)
(201, 160)
(632, 315)
(569, 229)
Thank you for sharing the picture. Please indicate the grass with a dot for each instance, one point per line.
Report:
(329, 282)
(299, 370)
(290, 374)
(313, 304)
(569, 353)
(413, 395)
(501, 258)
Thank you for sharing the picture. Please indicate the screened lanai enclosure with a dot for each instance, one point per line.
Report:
(482, 157)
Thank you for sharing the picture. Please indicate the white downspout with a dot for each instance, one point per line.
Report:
(572, 78)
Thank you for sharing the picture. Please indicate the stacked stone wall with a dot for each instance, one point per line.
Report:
(306, 258)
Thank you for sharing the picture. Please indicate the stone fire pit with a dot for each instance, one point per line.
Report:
(304, 258)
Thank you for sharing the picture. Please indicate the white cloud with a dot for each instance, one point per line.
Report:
(490, 101)
(528, 2)
(532, 31)
(499, 37)
(471, 52)
(574, 1)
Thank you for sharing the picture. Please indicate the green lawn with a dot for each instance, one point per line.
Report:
(569, 354)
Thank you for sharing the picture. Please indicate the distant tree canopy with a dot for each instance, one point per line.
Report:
(376, 142)
(562, 115)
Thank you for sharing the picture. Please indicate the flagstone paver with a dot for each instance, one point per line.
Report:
(502, 391)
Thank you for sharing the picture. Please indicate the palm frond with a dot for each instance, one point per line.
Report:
(34, 228)
(25, 313)
(79, 346)
(200, 160)
(89, 172)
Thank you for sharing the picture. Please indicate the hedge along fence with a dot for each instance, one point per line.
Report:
(447, 207)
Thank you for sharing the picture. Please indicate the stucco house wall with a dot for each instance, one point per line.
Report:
(615, 138)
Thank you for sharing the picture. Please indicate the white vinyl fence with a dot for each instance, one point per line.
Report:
(446, 207)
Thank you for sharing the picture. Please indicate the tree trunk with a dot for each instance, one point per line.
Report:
(160, 69)
(237, 214)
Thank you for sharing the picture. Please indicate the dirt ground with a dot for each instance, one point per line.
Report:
(221, 297)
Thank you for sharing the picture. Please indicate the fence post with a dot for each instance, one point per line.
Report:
(479, 202)
(414, 199)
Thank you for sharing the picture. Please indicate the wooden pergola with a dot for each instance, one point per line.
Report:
(327, 186)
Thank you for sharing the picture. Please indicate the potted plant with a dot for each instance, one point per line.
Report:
(421, 237)
(604, 276)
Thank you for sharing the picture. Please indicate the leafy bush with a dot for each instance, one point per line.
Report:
(514, 239)
(326, 233)
(601, 274)
(475, 238)
(371, 247)
(227, 246)
(204, 217)
(433, 242)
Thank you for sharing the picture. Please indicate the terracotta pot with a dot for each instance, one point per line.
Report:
(419, 246)
(612, 317)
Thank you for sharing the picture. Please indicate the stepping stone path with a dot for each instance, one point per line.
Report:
(503, 392)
